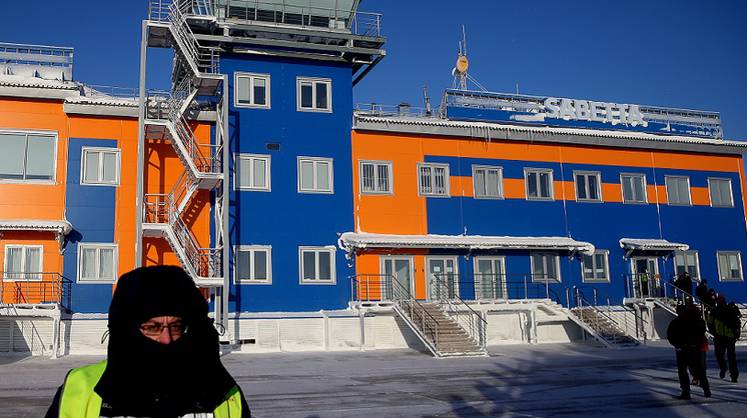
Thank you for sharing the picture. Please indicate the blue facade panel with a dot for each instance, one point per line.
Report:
(92, 212)
(705, 229)
(283, 218)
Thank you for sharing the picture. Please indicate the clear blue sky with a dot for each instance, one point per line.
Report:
(678, 53)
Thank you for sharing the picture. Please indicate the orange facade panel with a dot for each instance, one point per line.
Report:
(35, 288)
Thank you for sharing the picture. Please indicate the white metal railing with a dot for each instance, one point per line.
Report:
(601, 321)
(375, 109)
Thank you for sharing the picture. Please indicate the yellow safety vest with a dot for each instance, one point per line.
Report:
(79, 400)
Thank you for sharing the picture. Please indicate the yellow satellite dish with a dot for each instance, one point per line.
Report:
(462, 64)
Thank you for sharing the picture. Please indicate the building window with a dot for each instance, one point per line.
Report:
(433, 179)
(678, 190)
(314, 94)
(729, 266)
(252, 90)
(253, 264)
(315, 175)
(27, 156)
(488, 182)
(376, 177)
(633, 188)
(23, 262)
(538, 184)
(687, 261)
(100, 166)
(588, 186)
(317, 265)
(545, 267)
(720, 191)
(596, 267)
(97, 263)
(252, 172)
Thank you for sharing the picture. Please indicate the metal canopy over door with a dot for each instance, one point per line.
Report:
(443, 280)
(490, 278)
(645, 276)
(399, 269)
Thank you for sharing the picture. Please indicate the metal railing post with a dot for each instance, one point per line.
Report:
(526, 296)
(594, 291)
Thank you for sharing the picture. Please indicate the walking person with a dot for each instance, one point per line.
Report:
(686, 333)
(726, 327)
(701, 291)
(163, 358)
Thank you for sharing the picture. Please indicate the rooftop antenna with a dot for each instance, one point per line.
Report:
(427, 100)
(461, 76)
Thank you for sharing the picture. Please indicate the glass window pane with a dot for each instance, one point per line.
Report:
(593, 187)
(307, 175)
(627, 183)
(88, 263)
(726, 197)
(33, 260)
(551, 267)
(723, 266)
(588, 267)
(306, 95)
(110, 167)
(321, 96)
(581, 187)
(260, 265)
(425, 180)
(15, 260)
(309, 264)
(640, 194)
(243, 264)
(40, 158)
(491, 186)
(245, 172)
(383, 178)
(325, 265)
(242, 90)
(440, 180)
(106, 264)
(672, 190)
(367, 177)
(260, 167)
(322, 176)
(683, 191)
(13, 149)
(733, 266)
(91, 167)
(480, 182)
(532, 185)
(538, 266)
(260, 91)
(545, 184)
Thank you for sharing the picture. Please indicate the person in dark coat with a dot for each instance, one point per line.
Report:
(726, 326)
(685, 333)
(163, 357)
(701, 291)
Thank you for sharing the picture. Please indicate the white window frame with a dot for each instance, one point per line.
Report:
(689, 191)
(246, 156)
(252, 77)
(731, 192)
(528, 171)
(314, 161)
(447, 180)
(642, 176)
(252, 249)
(478, 278)
(588, 174)
(545, 254)
(27, 275)
(314, 81)
(376, 165)
(329, 249)
(100, 151)
(499, 169)
(606, 254)
(98, 246)
(685, 254)
(54, 162)
(718, 265)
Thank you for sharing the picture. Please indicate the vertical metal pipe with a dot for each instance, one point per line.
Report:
(139, 207)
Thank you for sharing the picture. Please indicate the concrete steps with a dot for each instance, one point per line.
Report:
(604, 328)
(452, 340)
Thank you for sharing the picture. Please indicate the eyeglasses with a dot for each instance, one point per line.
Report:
(155, 329)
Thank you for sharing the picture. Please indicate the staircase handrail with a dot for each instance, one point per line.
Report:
(581, 301)
(405, 301)
(455, 304)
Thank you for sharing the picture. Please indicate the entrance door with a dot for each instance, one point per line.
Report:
(645, 277)
(490, 278)
(443, 280)
(398, 277)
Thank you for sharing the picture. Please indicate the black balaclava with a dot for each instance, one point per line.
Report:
(146, 378)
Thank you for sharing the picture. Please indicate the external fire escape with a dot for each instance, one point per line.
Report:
(197, 88)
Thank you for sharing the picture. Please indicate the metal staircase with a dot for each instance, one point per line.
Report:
(197, 85)
(442, 335)
(599, 324)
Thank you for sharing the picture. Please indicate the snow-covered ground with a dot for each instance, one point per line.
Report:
(545, 380)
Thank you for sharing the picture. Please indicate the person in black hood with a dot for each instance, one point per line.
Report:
(686, 333)
(163, 358)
